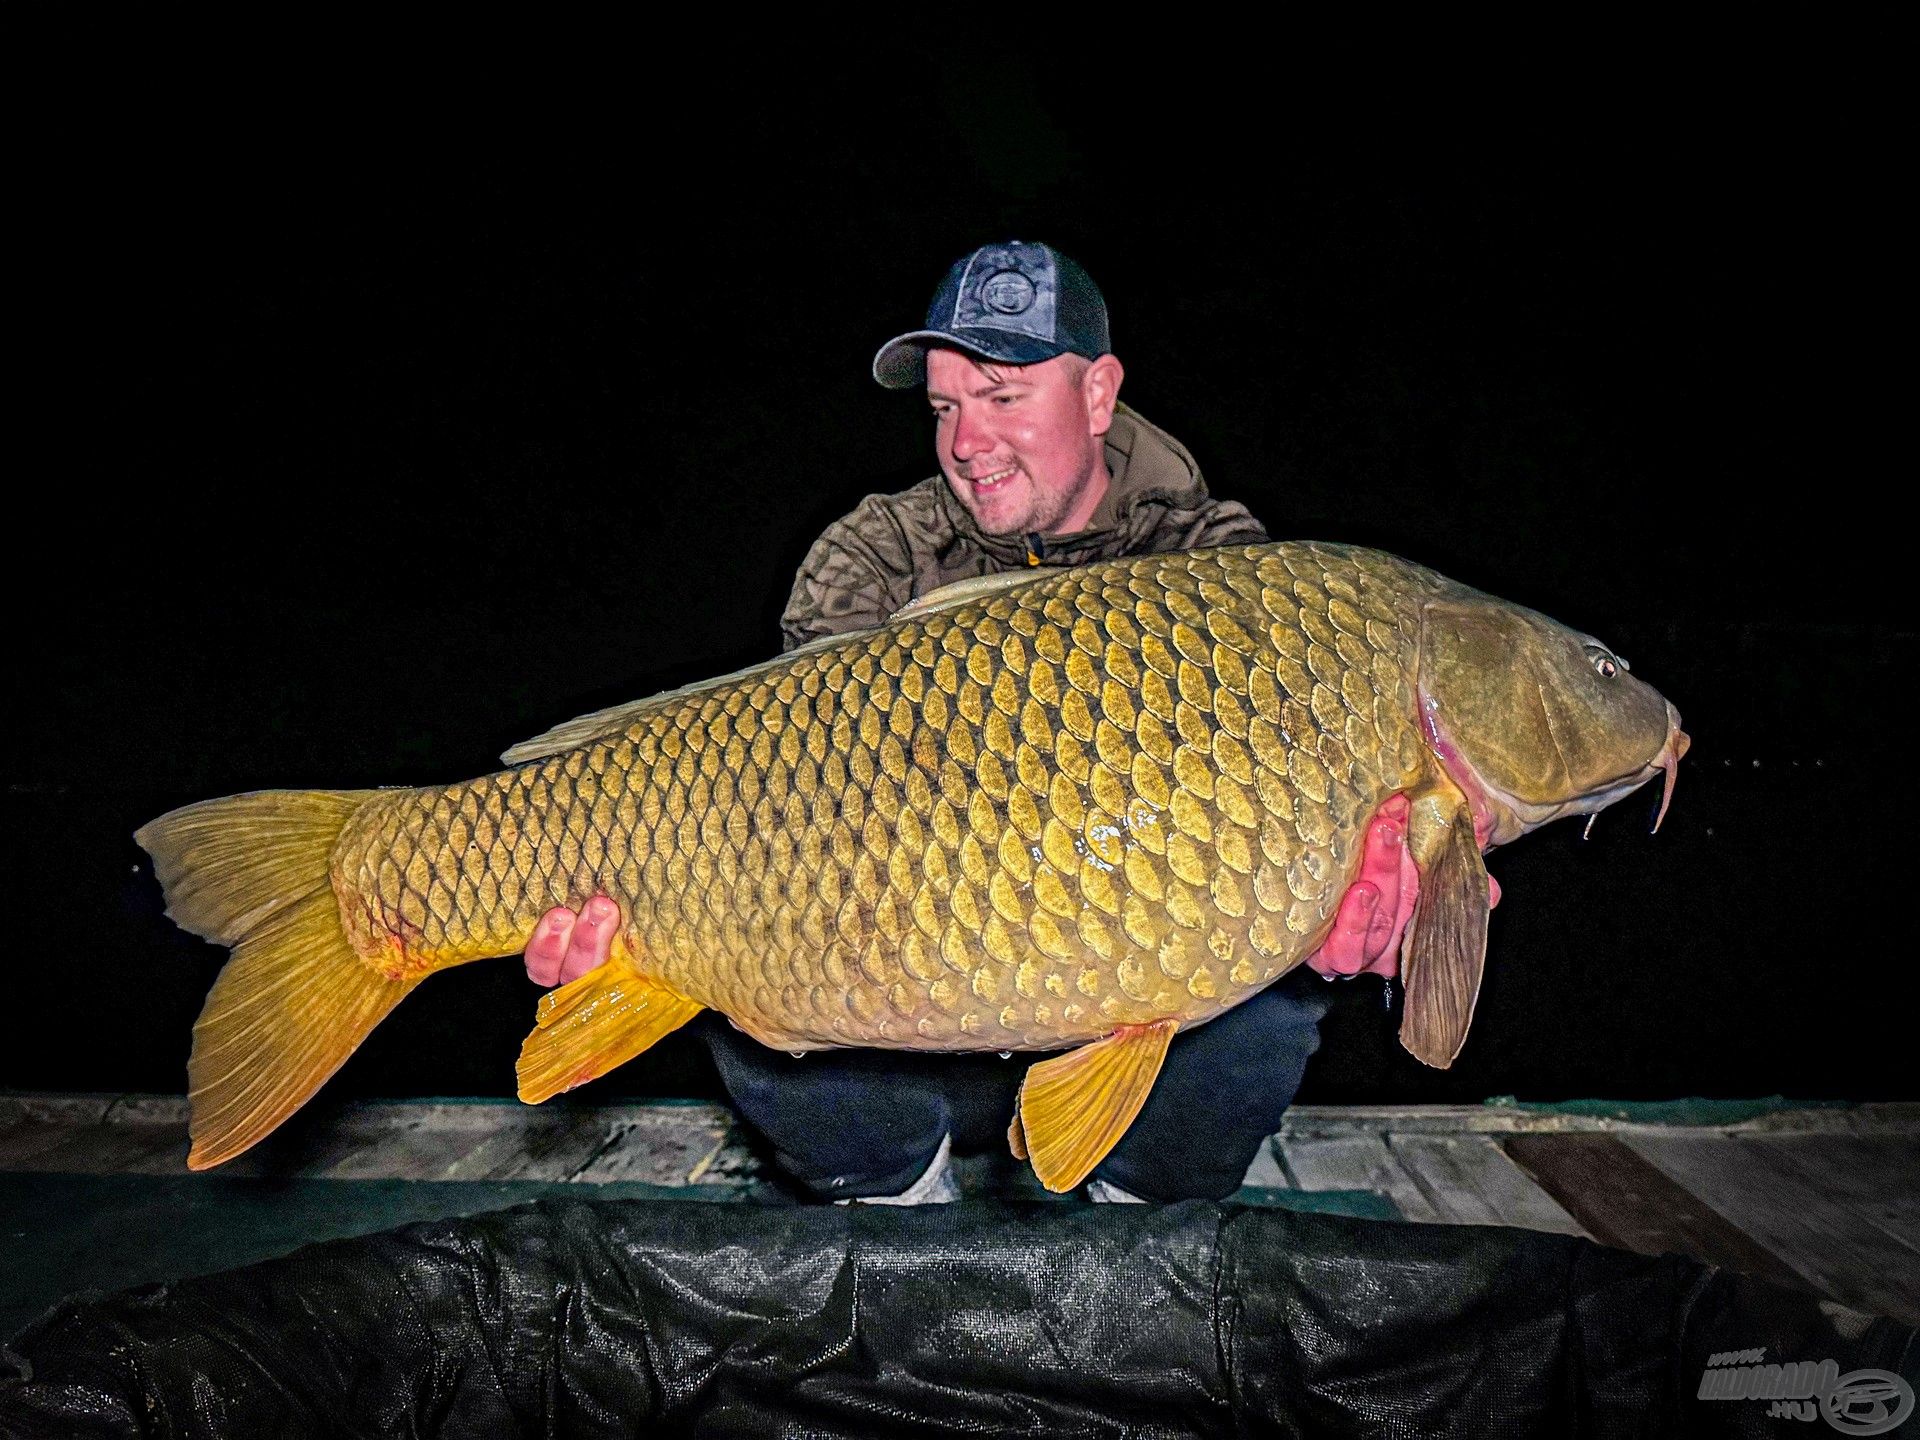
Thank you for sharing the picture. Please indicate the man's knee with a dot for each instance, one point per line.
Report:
(842, 1123)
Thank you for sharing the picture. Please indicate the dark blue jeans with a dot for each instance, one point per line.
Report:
(847, 1123)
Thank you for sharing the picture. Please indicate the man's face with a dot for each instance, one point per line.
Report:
(1020, 444)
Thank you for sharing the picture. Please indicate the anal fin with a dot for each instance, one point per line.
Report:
(591, 1025)
(1073, 1109)
(1445, 951)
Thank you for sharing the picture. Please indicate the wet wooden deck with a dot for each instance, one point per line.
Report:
(1825, 1198)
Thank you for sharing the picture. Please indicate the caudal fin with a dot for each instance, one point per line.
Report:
(295, 1000)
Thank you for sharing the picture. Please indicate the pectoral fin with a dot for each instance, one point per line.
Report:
(586, 1028)
(1074, 1109)
(1445, 951)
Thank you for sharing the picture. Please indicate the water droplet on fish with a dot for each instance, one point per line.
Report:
(1006, 1054)
(798, 1054)
(1386, 994)
(1584, 834)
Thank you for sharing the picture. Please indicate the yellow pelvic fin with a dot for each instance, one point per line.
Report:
(292, 1004)
(1074, 1109)
(587, 1027)
(1445, 951)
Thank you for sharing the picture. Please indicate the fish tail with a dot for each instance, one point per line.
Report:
(296, 999)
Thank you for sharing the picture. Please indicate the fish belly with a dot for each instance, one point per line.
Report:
(1114, 795)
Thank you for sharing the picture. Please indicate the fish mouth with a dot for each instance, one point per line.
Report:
(1665, 762)
(1500, 818)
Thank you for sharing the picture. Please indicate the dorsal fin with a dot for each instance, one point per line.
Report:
(962, 591)
(582, 728)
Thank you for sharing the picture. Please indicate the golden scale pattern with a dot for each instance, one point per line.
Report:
(1125, 792)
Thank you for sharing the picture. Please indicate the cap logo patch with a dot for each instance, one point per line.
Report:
(1007, 293)
(1013, 288)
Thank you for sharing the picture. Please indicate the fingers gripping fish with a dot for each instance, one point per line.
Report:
(1078, 811)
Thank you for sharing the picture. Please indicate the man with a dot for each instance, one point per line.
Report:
(1040, 464)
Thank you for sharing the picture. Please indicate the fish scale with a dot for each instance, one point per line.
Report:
(1112, 795)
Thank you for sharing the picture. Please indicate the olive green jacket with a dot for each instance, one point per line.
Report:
(893, 548)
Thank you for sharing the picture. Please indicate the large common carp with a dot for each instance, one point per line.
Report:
(1075, 811)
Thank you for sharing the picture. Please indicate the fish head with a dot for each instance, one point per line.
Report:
(1536, 721)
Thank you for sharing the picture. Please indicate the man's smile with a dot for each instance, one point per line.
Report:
(993, 480)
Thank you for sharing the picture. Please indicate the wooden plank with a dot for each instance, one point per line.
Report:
(659, 1144)
(510, 1153)
(67, 1109)
(1876, 1176)
(1355, 1162)
(1842, 1254)
(1448, 1179)
(21, 1143)
(1265, 1172)
(659, 1150)
(1877, 1118)
(1621, 1198)
(148, 1110)
(551, 1145)
(111, 1150)
(1471, 1181)
(1887, 1117)
(1430, 1162)
(485, 1116)
(446, 1141)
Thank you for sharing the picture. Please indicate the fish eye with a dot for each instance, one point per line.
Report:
(1607, 665)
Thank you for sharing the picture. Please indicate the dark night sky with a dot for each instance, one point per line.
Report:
(371, 434)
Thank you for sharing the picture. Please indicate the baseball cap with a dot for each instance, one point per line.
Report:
(1016, 302)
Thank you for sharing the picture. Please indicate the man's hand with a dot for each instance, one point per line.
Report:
(567, 945)
(1375, 910)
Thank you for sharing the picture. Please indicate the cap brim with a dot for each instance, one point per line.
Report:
(902, 361)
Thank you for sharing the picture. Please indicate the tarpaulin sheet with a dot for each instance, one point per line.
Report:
(590, 1318)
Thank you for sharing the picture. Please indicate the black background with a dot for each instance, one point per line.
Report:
(384, 404)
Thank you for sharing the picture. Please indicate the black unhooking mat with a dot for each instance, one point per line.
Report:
(649, 1318)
